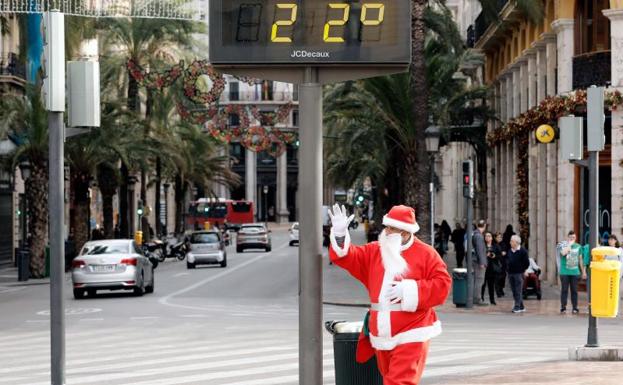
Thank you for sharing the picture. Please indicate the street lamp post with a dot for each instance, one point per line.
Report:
(166, 208)
(432, 135)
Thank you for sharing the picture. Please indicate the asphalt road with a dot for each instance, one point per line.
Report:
(239, 325)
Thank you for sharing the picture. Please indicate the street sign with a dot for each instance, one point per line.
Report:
(318, 32)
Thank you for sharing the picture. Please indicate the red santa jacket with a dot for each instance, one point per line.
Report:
(427, 285)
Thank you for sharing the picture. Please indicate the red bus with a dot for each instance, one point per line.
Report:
(218, 211)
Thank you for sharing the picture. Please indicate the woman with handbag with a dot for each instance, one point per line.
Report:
(494, 267)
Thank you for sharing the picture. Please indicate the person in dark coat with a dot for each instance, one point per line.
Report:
(518, 261)
(458, 238)
(500, 282)
(446, 231)
(494, 268)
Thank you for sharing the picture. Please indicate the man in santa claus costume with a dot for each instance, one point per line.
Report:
(405, 279)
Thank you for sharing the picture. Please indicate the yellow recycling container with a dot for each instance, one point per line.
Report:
(138, 237)
(605, 282)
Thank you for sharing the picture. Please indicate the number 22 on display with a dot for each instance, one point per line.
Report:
(327, 38)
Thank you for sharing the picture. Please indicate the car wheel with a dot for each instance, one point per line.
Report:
(291, 243)
(224, 263)
(538, 296)
(239, 249)
(78, 293)
(140, 290)
(268, 249)
(92, 292)
(150, 288)
(190, 265)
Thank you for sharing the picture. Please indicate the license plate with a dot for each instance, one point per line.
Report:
(103, 268)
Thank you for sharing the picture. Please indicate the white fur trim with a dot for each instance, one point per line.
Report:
(384, 324)
(341, 252)
(410, 227)
(410, 296)
(414, 335)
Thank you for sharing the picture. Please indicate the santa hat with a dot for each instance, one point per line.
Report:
(403, 218)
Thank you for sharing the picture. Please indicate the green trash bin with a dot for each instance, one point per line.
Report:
(47, 261)
(459, 287)
(347, 370)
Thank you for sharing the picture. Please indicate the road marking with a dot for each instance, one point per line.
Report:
(37, 320)
(165, 300)
(73, 311)
(143, 318)
(91, 319)
(195, 316)
(181, 274)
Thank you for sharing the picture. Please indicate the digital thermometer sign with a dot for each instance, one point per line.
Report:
(312, 32)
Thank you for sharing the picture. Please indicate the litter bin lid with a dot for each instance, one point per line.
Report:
(459, 270)
(349, 327)
(599, 253)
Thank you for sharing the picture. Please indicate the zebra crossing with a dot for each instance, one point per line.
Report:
(188, 353)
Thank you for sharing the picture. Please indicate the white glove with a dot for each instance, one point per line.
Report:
(395, 292)
(340, 220)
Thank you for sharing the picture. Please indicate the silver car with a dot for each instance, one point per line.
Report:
(294, 234)
(117, 264)
(206, 247)
(253, 236)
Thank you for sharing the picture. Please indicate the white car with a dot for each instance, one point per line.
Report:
(117, 264)
(294, 234)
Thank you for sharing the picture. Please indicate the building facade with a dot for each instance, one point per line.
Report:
(578, 44)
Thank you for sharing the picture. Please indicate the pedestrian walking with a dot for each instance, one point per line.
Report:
(405, 278)
(500, 283)
(570, 268)
(518, 262)
(446, 231)
(479, 260)
(458, 238)
(494, 268)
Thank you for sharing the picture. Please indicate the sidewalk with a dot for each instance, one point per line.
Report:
(8, 278)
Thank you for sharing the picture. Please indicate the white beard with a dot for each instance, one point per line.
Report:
(393, 262)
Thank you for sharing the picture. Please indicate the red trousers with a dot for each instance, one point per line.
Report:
(404, 364)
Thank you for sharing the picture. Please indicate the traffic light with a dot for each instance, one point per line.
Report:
(139, 209)
(468, 179)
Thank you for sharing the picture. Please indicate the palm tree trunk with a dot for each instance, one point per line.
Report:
(80, 184)
(416, 167)
(37, 195)
(157, 193)
(109, 231)
(108, 183)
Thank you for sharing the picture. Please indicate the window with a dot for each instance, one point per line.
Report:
(108, 248)
(234, 92)
(204, 238)
(295, 118)
(241, 207)
(234, 120)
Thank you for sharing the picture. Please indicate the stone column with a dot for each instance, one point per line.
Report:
(523, 85)
(250, 180)
(509, 95)
(503, 104)
(532, 196)
(541, 70)
(616, 35)
(282, 189)
(516, 90)
(551, 60)
(532, 77)
(221, 190)
(616, 42)
(498, 188)
(552, 210)
(564, 33)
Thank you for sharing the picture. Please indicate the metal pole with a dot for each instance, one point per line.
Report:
(432, 200)
(310, 251)
(593, 241)
(468, 255)
(57, 246)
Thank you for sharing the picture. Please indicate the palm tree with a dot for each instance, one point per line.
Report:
(25, 119)
(146, 42)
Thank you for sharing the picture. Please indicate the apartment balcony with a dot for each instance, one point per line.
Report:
(12, 71)
(593, 68)
(278, 97)
(485, 27)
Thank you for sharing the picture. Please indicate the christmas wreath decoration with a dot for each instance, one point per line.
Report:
(155, 80)
(272, 118)
(196, 117)
(547, 112)
(218, 125)
(255, 138)
(191, 75)
(276, 149)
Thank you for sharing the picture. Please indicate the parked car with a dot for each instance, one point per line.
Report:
(294, 234)
(253, 236)
(117, 264)
(206, 247)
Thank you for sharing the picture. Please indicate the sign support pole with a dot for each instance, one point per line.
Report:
(310, 250)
